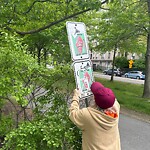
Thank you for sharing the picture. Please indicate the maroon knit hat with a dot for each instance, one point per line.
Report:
(104, 97)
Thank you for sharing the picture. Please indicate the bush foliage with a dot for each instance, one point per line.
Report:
(38, 100)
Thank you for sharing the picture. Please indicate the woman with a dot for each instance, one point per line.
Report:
(99, 123)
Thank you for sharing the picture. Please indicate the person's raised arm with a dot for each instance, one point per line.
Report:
(76, 114)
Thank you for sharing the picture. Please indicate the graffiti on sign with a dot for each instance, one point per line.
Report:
(77, 40)
(84, 77)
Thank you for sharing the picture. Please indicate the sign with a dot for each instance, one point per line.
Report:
(77, 40)
(80, 55)
(84, 76)
(130, 63)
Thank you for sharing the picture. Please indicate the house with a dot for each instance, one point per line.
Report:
(104, 61)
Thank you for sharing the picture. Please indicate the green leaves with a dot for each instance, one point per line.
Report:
(54, 130)
(92, 4)
(20, 75)
(140, 64)
(27, 17)
(15, 68)
(121, 62)
(120, 24)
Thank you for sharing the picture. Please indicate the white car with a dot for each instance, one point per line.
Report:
(135, 75)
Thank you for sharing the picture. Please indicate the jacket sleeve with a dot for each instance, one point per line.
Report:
(76, 114)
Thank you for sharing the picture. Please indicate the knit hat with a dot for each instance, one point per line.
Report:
(104, 97)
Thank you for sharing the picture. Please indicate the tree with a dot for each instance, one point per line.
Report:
(44, 92)
(36, 16)
(121, 62)
(40, 15)
(140, 64)
(125, 24)
(146, 92)
(28, 88)
(111, 30)
(49, 130)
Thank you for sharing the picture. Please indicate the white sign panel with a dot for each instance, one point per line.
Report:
(84, 77)
(77, 40)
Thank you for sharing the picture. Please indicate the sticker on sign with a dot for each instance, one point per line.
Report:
(84, 77)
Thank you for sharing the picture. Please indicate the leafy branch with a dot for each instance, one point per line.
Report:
(52, 23)
(42, 1)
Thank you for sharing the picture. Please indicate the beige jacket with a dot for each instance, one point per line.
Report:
(99, 131)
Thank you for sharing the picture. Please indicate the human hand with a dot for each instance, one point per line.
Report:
(76, 93)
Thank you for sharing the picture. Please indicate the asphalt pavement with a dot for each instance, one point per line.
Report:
(134, 133)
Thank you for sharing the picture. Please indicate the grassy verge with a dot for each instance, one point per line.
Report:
(129, 95)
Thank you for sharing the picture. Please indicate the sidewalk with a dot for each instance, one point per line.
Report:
(134, 114)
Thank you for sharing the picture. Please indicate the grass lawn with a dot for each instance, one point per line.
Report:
(129, 95)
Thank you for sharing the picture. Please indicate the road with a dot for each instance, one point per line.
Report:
(134, 133)
(123, 79)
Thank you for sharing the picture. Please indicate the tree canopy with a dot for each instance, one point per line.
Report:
(28, 17)
(124, 25)
(33, 34)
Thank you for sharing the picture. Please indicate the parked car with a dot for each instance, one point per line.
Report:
(135, 75)
(117, 72)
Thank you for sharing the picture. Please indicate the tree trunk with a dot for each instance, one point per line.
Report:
(113, 63)
(146, 92)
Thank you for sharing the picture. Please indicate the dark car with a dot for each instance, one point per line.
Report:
(117, 72)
